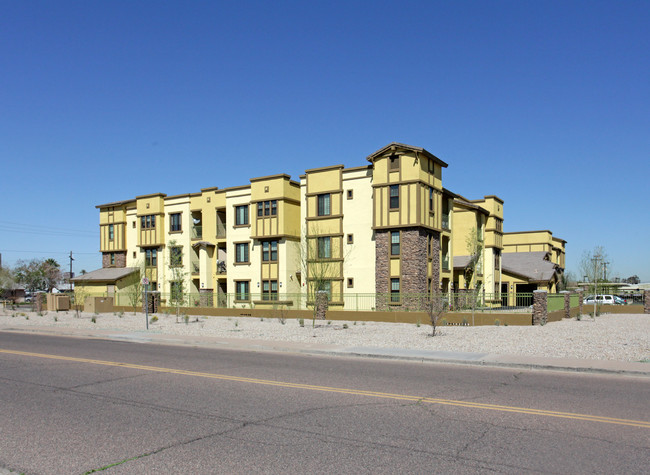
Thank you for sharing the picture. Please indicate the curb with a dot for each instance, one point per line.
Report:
(397, 354)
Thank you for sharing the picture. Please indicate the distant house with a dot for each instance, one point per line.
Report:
(530, 271)
(105, 281)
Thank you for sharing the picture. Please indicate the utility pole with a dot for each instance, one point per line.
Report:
(70, 276)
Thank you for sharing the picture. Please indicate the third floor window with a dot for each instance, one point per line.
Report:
(241, 215)
(394, 197)
(324, 205)
(148, 221)
(175, 222)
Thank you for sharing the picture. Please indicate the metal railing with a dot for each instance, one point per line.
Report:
(465, 301)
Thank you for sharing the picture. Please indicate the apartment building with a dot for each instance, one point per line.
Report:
(388, 228)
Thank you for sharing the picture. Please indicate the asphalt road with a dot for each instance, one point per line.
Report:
(72, 406)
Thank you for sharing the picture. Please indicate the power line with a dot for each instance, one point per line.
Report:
(48, 252)
(37, 227)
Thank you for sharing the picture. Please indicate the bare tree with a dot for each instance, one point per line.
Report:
(436, 308)
(474, 245)
(321, 257)
(593, 264)
(178, 289)
(135, 290)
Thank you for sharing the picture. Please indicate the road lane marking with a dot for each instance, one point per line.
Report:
(355, 392)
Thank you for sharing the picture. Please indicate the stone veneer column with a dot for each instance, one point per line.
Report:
(321, 304)
(153, 300)
(206, 298)
(381, 269)
(540, 307)
(567, 303)
(646, 301)
(581, 297)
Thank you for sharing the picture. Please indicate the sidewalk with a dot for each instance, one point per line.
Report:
(447, 357)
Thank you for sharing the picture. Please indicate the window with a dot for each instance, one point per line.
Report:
(241, 253)
(112, 258)
(350, 194)
(432, 168)
(267, 208)
(350, 238)
(324, 247)
(269, 290)
(148, 221)
(324, 205)
(327, 287)
(350, 282)
(394, 243)
(134, 255)
(270, 251)
(176, 256)
(175, 222)
(431, 209)
(394, 290)
(150, 257)
(133, 224)
(242, 290)
(394, 196)
(111, 232)
(393, 163)
(241, 215)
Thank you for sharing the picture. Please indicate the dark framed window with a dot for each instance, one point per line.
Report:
(393, 162)
(269, 290)
(394, 290)
(267, 208)
(242, 290)
(394, 197)
(324, 205)
(176, 256)
(350, 238)
(241, 215)
(324, 247)
(394, 243)
(241, 253)
(111, 232)
(431, 209)
(350, 283)
(151, 257)
(175, 222)
(350, 194)
(112, 258)
(269, 251)
(148, 221)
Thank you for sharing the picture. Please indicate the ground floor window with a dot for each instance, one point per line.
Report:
(269, 290)
(394, 290)
(242, 290)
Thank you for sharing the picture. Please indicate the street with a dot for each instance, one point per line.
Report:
(72, 406)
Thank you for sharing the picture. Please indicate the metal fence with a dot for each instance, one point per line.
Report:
(466, 301)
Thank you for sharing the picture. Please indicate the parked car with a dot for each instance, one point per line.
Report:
(604, 299)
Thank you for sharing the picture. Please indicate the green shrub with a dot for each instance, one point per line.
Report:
(345, 326)
(301, 322)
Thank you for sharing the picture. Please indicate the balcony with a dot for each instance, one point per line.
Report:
(197, 232)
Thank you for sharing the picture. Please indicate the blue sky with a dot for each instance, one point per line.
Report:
(544, 104)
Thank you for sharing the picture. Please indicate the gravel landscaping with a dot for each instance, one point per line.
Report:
(622, 337)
